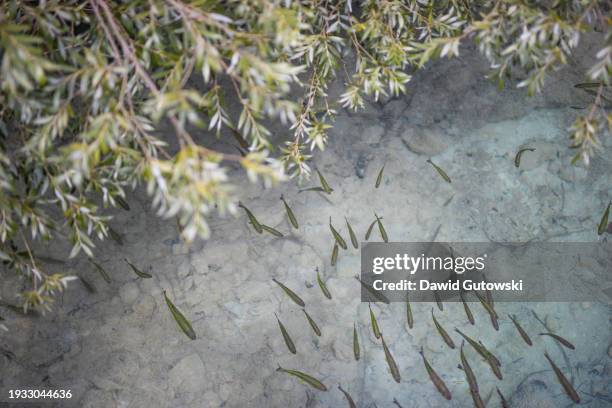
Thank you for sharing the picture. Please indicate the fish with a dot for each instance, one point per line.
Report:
(409, 317)
(272, 231)
(379, 178)
(252, 218)
(375, 327)
(312, 323)
(480, 349)
(381, 228)
(115, 236)
(438, 300)
(373, 292)
(298, 300)
(519, 154)
(471, 379)
(320, 189)
(488, 294)
(239, 138)
(90, 288)
(584, 85)
(504, 403)
(435, 378)
(485, 304)
(489, 309)
(326, 188)
(122, 203)
(396, 402)
(369, 232)
(334, 255)
(356, 349)
(348, 397)
(137, 271)
(447, 339)
(567, 386)
(323, 286)
(290, 214)
(313, 382)
(101, 271)
(603, 224)
(180, 318)
(288, 341)
(468, 312)
(337, 236)
(522, 332)
(390, 361)
(441, 172)
(352, 235)
(560, 340)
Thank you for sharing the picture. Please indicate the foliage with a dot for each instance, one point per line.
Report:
(85, 84)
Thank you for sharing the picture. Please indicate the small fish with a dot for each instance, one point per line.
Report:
(90, 288)
(334, 255)
(560, 340)
(373, 292)
(286, 337)
(298, 300)
(239, 138)
(468, 312)
(488, 294)
(409, 316)
(290, 214)
(471, 379)
(447, 202)
(522, 332)
(438, 300)
(323, 286)
(603, 224)
(180, 318)
(441, 172)
(369, 232)
(379, 178)
(312, 323)
(252, 218)
(381, 228)
(375, 327)
(489, 309)
(115, 236)
(137, 271)
(390, 361)
(584, 85)
(319, 189)
(356, 349)
(480, 349)
(485, 304)
(313, 382)
(447, 339)
(435, 378)
(101, 271)
(122, 203)
(326, 187)
(567, 386)
(348, 397)
(396, 402)
(504, 403)
(272, 231)
(337, 236)
(519, 154)
(352, 235)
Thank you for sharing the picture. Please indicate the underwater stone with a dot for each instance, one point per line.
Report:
(188, 375)
(428, 142)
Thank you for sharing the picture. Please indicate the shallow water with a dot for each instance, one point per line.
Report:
(120, 346)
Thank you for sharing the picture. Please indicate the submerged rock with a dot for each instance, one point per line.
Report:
(428, 142)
